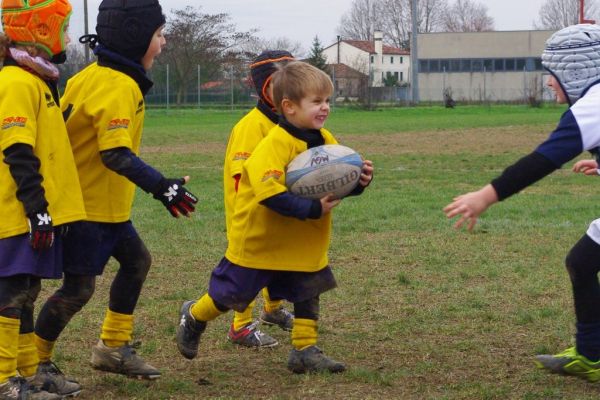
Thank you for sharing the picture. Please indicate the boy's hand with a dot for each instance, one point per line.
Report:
(327, 203)
(176, 198)
(41, 231)
(366, 174)
(470, 206)
(587, 167)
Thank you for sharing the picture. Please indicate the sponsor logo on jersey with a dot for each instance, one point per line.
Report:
(118, 123)
(49, 100)
(140, 107)
(242, 155)
(9, 122)
(272, 173)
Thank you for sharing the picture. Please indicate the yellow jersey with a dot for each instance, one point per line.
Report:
(30, 116)
(244, 138)
(261, 238)
(106, 110)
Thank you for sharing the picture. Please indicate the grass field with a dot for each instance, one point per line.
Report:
(421, 312)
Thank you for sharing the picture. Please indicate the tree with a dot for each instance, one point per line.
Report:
(256, 46)
(195, 38)
(468, 16)
(316, 57)
(361, 21)
(558, 14)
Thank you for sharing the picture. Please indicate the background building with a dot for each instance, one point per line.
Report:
(482, 66)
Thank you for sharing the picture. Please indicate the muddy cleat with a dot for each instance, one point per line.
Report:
(51, 379)
(188, 332)
(122, 360)
(569, 362)
(280, 317)
(251, 336)
(17, 388)
(312, 359)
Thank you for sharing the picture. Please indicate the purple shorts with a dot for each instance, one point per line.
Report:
(235, 287)
(89, 245)
(17, 257)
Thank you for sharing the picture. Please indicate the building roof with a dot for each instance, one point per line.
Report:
(343, 71)
(369, 47)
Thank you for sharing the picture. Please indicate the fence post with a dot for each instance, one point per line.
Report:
(198, 85)
(167, 86)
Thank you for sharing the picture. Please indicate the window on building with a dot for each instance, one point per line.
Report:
(444, 65)
(520, 64)
(401, 60)
(465, 65)
(476, 65)
(401, 76)
(396, 75)
(391, 59)
(510, 64)
(434, 65)
(538, 64)
(488, 64)
(372, 59)
(424, 65)
(499, 64)
(454, 65)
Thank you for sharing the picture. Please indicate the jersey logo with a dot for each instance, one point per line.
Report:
(14, 121)
(140, 107)
(242, 155)
(272, 173)
(118, 123)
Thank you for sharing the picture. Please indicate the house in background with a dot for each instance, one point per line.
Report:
(373, 60)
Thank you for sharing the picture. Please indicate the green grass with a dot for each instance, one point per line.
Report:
(421, 312)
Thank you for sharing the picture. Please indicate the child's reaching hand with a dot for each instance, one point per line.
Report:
(366, 174)
(587, 167)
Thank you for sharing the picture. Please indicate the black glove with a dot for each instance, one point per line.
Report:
(41, 232)
(175, 197)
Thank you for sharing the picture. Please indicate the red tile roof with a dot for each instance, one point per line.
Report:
(369, 47)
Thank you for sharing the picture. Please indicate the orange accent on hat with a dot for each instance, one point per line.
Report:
(37, 22)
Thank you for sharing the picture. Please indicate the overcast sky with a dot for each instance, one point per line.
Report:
(302, 20)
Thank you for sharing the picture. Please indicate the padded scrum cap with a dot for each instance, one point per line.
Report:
(127, 26)
(39, 23)
(263, 67)
(572, 54)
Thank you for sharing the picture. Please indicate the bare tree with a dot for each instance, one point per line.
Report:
(195, 38)
(257, 45)
(467, 16)
(558, 14)
(363, 18)
(396, 19)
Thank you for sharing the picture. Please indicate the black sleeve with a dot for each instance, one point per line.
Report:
(124, 162)
(290, 205)
(24, 167)
(521, 174)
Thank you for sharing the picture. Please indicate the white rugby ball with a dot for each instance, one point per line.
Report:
(331, 168)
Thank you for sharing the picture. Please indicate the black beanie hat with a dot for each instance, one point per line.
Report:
(263, 67)
(127, 26)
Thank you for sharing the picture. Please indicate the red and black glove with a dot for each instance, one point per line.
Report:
(41, 231)
(177, 199)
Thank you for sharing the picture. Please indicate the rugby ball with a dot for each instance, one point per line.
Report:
(318, 171)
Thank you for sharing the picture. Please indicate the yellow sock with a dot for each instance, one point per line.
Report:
(241, 319)
(44, 348)
(9, 347)
(304, 333)
(116, 329)
(204, 309)
(270, 305)
(27, 356)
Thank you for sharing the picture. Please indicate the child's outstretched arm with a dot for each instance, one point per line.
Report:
(366, 175)
(587, 167)
(171, 192)
(471, 205)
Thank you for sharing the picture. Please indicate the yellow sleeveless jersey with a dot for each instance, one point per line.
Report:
(106, 111)
(244, 138)
(264, 239)
(30, 115)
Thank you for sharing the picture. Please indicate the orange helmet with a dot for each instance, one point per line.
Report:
(37, 22)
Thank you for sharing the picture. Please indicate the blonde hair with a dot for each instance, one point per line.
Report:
(296, 80)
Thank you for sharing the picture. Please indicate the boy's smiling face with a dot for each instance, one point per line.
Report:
(310, 113)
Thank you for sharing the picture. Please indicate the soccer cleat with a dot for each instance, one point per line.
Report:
(251, 336)
(17, 388)
(312, 359)
(51, 379)
(122, 360)
(280, 317)
(569, 362)
(188, 331)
